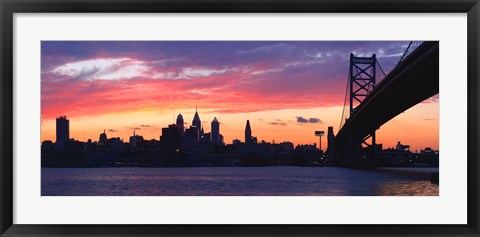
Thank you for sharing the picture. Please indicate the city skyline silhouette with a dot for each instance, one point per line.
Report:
(141, 118)
(287, 90)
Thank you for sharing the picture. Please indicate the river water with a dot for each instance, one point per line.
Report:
(238, 181)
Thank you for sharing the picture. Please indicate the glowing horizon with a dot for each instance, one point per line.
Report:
(286, 89)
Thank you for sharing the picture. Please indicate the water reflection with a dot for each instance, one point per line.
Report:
(408, 189)
(237, 181)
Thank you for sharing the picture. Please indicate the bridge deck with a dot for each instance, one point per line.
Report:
(414, 80)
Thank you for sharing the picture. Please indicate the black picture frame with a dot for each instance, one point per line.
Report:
(9, 7)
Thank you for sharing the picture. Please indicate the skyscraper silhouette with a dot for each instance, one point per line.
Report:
(180, 124)
(248, 133)
(63, 129)
(135, 139)
(215, 132)
(103, 138)
(196, 120)
(331, 140)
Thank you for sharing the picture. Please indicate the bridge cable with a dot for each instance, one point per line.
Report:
(346, 90)
(405, 53)
(384, 74)
(345, 100)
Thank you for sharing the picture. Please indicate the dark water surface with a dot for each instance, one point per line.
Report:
(237, 181)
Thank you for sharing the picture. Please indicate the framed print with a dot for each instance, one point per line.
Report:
(239, 118)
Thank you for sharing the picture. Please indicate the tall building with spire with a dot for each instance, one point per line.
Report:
(215, 139)
(135, 139)
(248, 133)
(194, 134)
(103, 138)
(180, 124)
(196, 120)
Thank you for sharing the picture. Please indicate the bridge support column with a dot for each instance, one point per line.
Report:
(354, 154)
(417, 73)
(362, 73)
(370, 148)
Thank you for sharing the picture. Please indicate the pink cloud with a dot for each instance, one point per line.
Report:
(115, 78)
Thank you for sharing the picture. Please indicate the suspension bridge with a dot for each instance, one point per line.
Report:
(414, 79)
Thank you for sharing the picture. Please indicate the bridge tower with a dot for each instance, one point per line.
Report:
(362, 81)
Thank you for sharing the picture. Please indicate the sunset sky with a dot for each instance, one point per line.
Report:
(286, 89)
